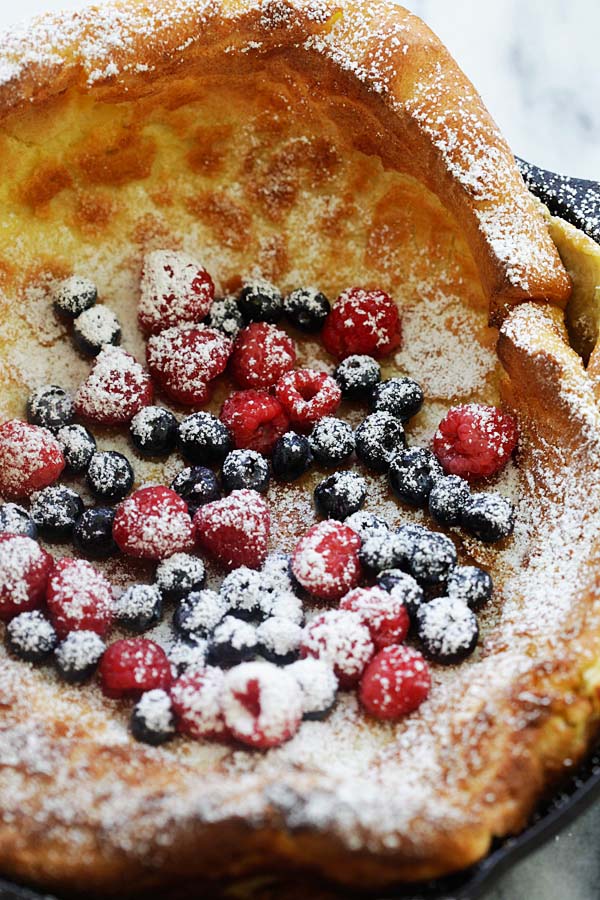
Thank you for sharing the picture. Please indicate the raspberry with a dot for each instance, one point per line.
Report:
(30, 459)
(395, 683)
(262, 704)
(185, 359)
(340, 638)
(24, 571)
(363, 322)
(115, 390)
(261, 355)
(475, 441)
(385, 615)
(235, 530)
(196, 698)
(256, 420)
(325, 560)
(174, 289)
(308, 395)
(153, 523)
(79, 598)
(132, 666)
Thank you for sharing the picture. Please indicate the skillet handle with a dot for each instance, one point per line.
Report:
(573, 199)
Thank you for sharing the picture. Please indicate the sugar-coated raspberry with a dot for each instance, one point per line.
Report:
(363, 322)
(395, 683)
(475, 441)
(308, 395)
(384, 614)
(153, 523)
(24, 571)
(196, 698)
(175, 289)
(115, 390)
(30, 459)
(261, 354)
(132, 666)
(262, 704)
(340, 638)
(325, 560)
(235, 530)
(255, 419)
(185, 359)
(79, 598)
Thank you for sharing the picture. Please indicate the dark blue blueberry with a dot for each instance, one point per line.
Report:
(50, 407)
(179, 575)
(196, 485)
(152, 719)
(472, 585)
(378, 440)
(489, 517)
(203, 439)
(78, 446)
(381, 551)
(279, 640)
(366, 524)
(199, 613)
(412, 475)
(55, 510)
(74, 295)
(225, 316)
(247, 594)
(447, 629)
(16, 520)
(245, 470)
(292, 456)
(260, 302)
(187, 652)
(307, 309)
(94, 328)
(77, 657)
(233, 641)
(402, 397)
(31, 637)
(92, 535)
(139, 608)
(153, 431)
(404, 587)
(433, 558)
(331, 441)
(448, 499)
(341, 494)
(110, 476)
(357, 376)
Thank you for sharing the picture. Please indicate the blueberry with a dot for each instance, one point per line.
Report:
(197, 486)
(318, 685)
(403, 587)
(402, 397)
(225, 316)
(179, 575)
(31, 637)
(331, 441)
(92, 535)
(78, 446)
(78, 655)
(285, 605)
(186, 653)
(55, 511)
(50, 407)
(407, 536)
(432, 559)
(246, 594)
(279, 640)
(260, 302)
(153, 431)
(448, 499)
(139, 608)
(199, 613)
(292, 456)
(489, 517)
(412, 475)
(307, 309)
(203, 439)
(366, 524)
(381, 551)
(94, 328)
(152, 719)
(233, 641)
(245, 469)
(447, 629)
(378, 439)
(16, 520)
(357, 376)
(110, 476)
(470, 584)
(74, 295)
(276, 573)
(341, 494)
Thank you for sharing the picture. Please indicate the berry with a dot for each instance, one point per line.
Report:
(152, 720)
(318, 686)
(115, 390)
(132, 666)
(262, 704)
(475, 441)
(285, 605)
(407, 537)
(74, 295)
(179, 575)
(110, 476)
(24, 571)
(400, 397)
(307, 309)
(55, 510)
(225, 316)
(331, 441)
(447, 629)
(235, 530)
(92, 535)
(203, 439)
(279, 640)
(381, 551)
(16, 520)
(261, 355)
(233, 641)
(78, 446)
(384, 614)
(412, 475)
(471, 585)
(78, 655)
(362, 322)
(187, 654)
(199, 613)
(50, 407)
(489, 517)
(31, 637)
(139, 608)
(403, 588)
(153, 431)
(196, 698)
(275, 573)
(79, 598)
(433, 557)
(340, 638)
(325, 561)
(196, 486)
(256, 420)
(245, 594)
(184, 360)
(95, 328)
(357, 375)
(341, 494)
(307, 396)
(379, 438)
(292, 456)
(245, 469)
(174, 290)
(395, 683)
(366, 525)
(260, 302)
(153, 523)
(30, 459)
(448, 499)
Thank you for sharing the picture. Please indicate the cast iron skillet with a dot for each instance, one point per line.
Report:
(578, 202)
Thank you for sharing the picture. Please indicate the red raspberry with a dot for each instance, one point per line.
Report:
(235, 530)
(184, 360)
(261, 355)
(30, 459)
(175, 289)
(153, 523)
(364, 322)
(325, 560)
(256, 420)
(24, 571)
(386, 618)
(115, 390)
(262, 704)
(308, 395)
(395, 683)
(132, 666)
(342, 639)
(196, 700)
(79, 598)
(475, 441)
